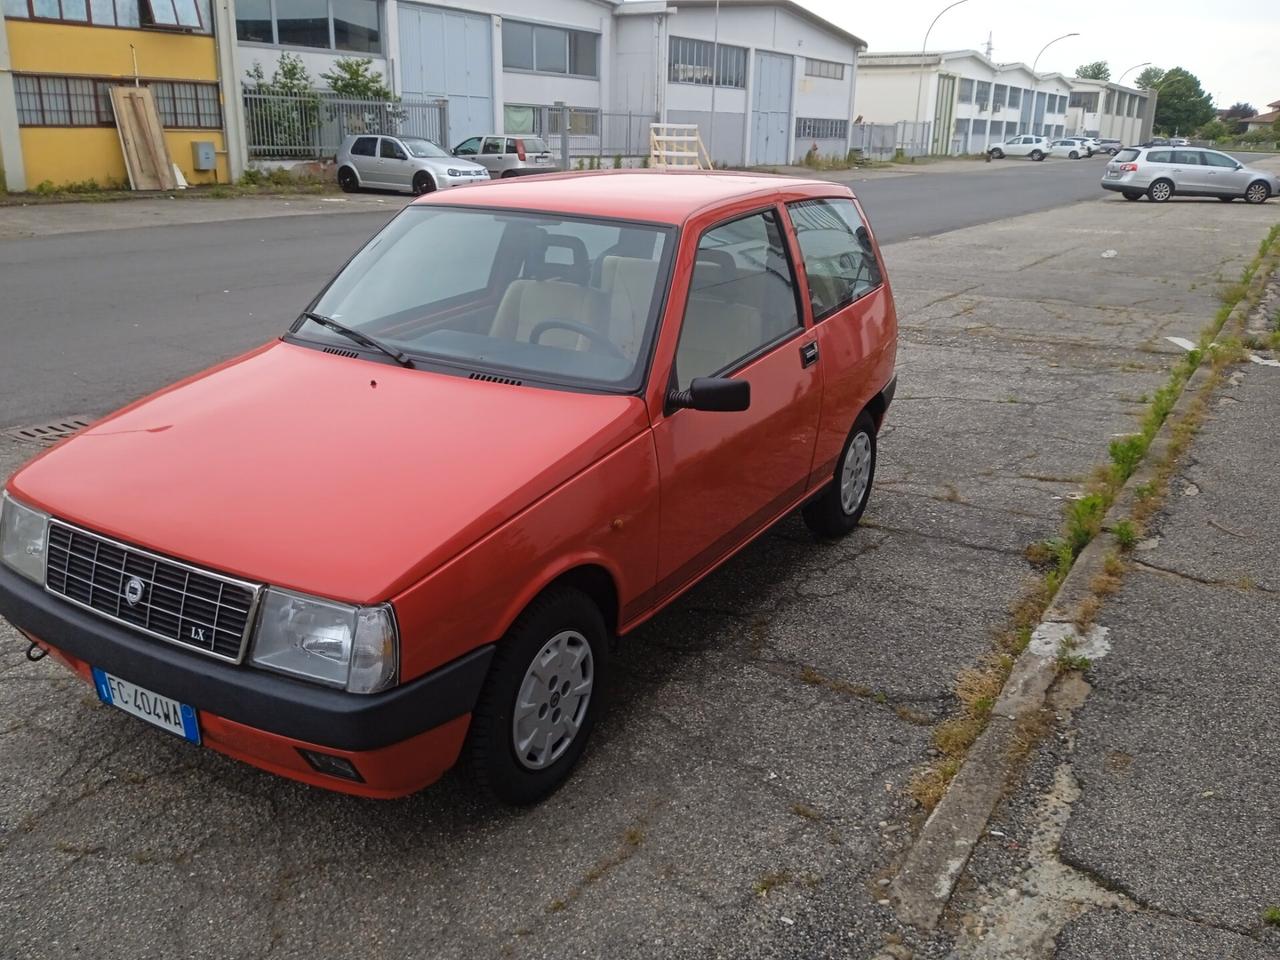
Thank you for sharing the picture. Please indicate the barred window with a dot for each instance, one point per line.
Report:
(817, 128)
(966, 91)
(45, 101)
(999, 96)
(824, 68)
(690, 62)
(983, 95)
(1015, 98)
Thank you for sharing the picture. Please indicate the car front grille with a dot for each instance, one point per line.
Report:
(163, 598)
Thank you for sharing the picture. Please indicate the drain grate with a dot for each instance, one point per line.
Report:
(47, 433)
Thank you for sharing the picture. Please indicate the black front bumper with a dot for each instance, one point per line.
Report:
(270, 702)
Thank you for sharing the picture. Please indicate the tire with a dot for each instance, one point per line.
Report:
(837, 510)
(1074, 155)
(997, 154)
(422, 184)
(557, 626)
(1226, 199)
(348, 180)
(1132, 195)
(1037, 155)
(507, 174)
(1160, 191)
(1257, 192)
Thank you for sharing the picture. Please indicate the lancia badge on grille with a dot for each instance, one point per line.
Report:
(133, 591)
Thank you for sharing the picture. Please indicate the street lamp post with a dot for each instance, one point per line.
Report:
(1035, 77)
(1133, 68)
(915, 132)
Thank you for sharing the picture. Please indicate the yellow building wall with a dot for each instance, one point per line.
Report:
(73, 154)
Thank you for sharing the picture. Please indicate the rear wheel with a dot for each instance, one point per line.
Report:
(1160, 191)
(838, 509)
(1132, 195)
(348, 180)
(1074, 155)
(1037, 155)
(1257, 192)
(541, 699)
(997, 154)
(422, 183)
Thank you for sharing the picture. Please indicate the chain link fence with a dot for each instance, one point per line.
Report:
(311, 126)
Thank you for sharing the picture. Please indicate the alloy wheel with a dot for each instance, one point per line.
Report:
(1257, 193)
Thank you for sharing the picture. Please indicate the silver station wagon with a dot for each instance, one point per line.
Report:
(1160, 172)
(409, 164)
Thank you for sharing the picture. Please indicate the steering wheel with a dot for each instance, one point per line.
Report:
(595, 336)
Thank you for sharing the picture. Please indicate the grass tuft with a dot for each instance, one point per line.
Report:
(1126, 534)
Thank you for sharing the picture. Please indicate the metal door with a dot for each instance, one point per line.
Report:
(445, 54)
(771, 109)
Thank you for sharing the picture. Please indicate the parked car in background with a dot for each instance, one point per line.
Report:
(1155, 142)
(518, 423)
(409, 164)
(1037, 148)
(1179, 142)
(1110, 146)
(505, 156)
(1161, 172)
(1072, 149)
(1093, 143)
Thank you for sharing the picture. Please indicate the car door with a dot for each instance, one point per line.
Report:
(394, 165)
(852, 312)
(493, 155)
(1226, 178)
(469, 148)
(364, 157)
(725, 475)
(1189, 174)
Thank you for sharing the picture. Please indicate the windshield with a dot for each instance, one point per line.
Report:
(559, 299)
(422, 148)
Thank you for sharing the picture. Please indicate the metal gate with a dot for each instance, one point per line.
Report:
(448, 55)
(771, 109)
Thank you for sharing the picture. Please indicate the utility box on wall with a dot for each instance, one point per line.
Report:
(202, 155)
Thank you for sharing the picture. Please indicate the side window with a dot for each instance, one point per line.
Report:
(364, 146)
(1188, 158)
(469, 147)
(1159, 156)
(741, 297)
(511, 146)
(838, 258)
(1212, 159)
(492, 145)
(391, 150)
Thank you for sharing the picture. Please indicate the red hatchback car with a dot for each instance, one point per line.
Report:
(522, 420)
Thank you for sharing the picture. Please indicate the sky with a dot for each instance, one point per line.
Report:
(1233, 46)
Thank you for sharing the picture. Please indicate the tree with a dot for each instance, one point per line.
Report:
(1239, 112)
(1215, 130)
(282, 113)
(1098, 70)
(1181, 103)
(1149, 78)
(355, 79)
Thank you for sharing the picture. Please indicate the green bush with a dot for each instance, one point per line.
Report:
(617, 161)
(251, 178)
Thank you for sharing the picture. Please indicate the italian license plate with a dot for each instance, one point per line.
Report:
(1113, 174)
(163, 712)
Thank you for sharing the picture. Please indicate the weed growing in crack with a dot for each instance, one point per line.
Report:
(771, 881)
(1087, 612)
(1126, 454)
(1068, 659)
(805, 811)
(1126, 534)
(1271, 916)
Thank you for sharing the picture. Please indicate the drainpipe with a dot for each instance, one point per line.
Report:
(11, 163)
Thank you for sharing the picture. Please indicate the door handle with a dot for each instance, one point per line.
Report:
(809, 354)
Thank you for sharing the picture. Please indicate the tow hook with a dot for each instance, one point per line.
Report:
(36, 653)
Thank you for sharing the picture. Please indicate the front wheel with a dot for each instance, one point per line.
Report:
(1037, 155)
(541, 699)
(1257, 192)
(997, 154)
(422, 183)
(837, 510)
(347, 180)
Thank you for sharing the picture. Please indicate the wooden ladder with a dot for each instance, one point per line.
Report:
(677, 146)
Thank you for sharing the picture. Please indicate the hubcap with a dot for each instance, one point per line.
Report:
(1257, 192)
(855, 474)
(1160, 191)
(552, 700)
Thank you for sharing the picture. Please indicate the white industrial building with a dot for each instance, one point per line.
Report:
(1101, 108)
(783, 78)
(963, 100)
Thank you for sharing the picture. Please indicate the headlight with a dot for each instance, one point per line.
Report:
(23, 538)
(455, 173)
(354, 648)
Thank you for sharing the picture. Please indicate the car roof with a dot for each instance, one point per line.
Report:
(656, 196)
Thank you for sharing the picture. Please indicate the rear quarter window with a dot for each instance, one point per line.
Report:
(1126, 155)
(364, 146)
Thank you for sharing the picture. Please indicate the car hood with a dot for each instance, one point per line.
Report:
(441, 164)
(331, 475)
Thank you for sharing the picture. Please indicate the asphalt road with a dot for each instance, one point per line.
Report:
(92, 320)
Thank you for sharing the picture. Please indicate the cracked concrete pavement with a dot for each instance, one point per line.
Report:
(745, 795)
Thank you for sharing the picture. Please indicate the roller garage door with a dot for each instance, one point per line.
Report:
(448, 55)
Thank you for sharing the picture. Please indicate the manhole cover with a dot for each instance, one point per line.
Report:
(47, 433)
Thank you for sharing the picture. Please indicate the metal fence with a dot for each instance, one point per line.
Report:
(592, 133)
(882, 141)
(312, 126)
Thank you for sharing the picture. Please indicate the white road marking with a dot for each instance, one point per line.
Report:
(1182, 342)
(1265, 361)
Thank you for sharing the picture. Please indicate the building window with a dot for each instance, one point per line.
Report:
(824, 68)
(174, 14)
(45, 101)
(818, 128)
(979, 128)
(322, 24)
(527, 46)
(982, 94)
(1086, 101)
(169, 13)
(999, 96)
(962, 128)
(690, 62)
(1015, 98)
(1109, 103)
(966, 91)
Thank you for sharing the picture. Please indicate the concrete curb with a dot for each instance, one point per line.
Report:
(928, 875)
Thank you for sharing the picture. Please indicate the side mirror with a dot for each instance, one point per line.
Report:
(716, 394)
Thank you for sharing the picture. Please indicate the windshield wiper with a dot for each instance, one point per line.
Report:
(361, 338)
